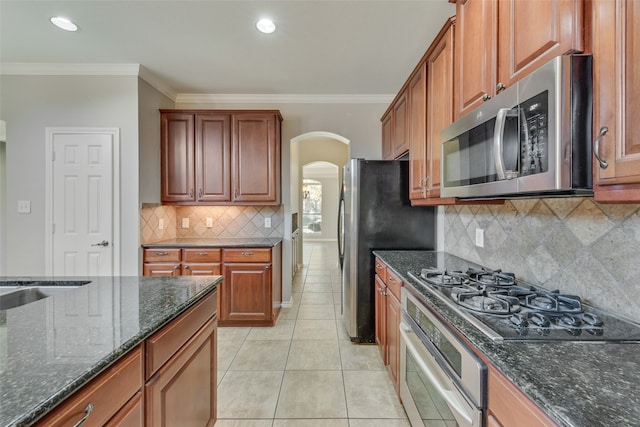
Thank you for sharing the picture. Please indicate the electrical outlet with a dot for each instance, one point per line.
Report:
(209, 222)
(480, 237)
(267, 222)
(161, 224)
(185, 222)
(24, 206)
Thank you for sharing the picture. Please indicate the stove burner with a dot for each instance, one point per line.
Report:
(444, 278)
(492, 278)
(553, 303)
(490, 304)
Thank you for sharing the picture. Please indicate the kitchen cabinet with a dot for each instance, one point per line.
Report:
(251, 292)
(181, 262)
(214, 157)
(252, 289)
(387, 322)
(180, 369)
(500, 42)
(616, 128)
(395, 128)
(508, 406)
(169, 379)
(105, 398)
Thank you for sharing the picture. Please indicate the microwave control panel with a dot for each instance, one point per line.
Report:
(534, 146)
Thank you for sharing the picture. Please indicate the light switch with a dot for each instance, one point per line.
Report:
(480, 237)
(185, 222)
(24, 206)
(209, 222)
(161, 224)
(267, 222)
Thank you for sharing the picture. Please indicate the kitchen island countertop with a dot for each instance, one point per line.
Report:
(51, 347)
(578, 384)
(266, 242)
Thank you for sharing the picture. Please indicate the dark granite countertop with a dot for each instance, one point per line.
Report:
(51, 347)
(578, 384)
(266, 242)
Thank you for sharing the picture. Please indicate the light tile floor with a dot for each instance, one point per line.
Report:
(304, 372)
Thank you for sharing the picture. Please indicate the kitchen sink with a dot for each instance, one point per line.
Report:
(16, 296)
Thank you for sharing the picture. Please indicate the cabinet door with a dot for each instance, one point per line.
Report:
(381, 319)
(213, 157)
(387, 151)
(131, 415)
(393, 339)
(534, 32)
(256, 158)
(617, 100)
(183, 391)
(201, 269)
(161, 269)
(439, 106)
(246, 292)
(418, 159)
(177, 160)
(475, 53)
(400, 125)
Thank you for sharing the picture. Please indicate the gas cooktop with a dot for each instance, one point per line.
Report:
(505, 309)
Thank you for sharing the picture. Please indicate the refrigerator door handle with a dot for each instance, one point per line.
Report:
(340, 236)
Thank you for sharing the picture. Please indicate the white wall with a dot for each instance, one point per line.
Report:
(29, 104)
(3, 214)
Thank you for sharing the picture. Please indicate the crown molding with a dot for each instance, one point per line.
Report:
(57, 69)
(202, 98)
(157, 83)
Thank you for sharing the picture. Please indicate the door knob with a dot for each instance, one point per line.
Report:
(104, 243)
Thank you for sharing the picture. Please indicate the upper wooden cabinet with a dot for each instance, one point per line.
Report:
(395, 128)
(616, 127)
(418, 158)
(221, 157)
(500, 42)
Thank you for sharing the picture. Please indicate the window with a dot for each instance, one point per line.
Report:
(311, 206)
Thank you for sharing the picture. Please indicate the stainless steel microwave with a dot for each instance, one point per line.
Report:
(533, 139)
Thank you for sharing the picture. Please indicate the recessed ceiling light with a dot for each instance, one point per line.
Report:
(266, 26)
(64, 23)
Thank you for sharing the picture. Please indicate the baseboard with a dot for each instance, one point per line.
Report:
(287, 304)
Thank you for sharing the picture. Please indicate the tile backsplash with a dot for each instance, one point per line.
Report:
(572, 244)
(227, 222)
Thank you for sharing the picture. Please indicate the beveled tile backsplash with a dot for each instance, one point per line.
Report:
(227, 222)
(572, 244)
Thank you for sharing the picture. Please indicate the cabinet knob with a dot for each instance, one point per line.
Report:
(191, 193)
(486, 97)
(175, 267)
(186, 267)
(596, 147)
(266, 267)
(87, 412)
(500, 86)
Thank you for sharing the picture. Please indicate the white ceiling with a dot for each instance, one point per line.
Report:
(321, 47)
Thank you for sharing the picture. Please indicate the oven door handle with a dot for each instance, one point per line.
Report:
(429, 368)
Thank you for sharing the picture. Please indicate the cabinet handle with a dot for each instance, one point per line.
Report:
(266, 267)
(175, 267)
(247, 253)
(235, 193)
(486, 97)
(596, 147)
(202, 253)
(391, 279)
(500, 86)
(186, 267)
(200, 193)
(162, 253)
(87, 412)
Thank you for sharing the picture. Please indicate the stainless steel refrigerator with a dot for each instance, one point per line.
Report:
(375, 213)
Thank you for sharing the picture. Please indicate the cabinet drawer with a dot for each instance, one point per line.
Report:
(105, 394)
(161, 255)
(381, 270)
(161, 269)
(247, 255)
(168, 340)
(201, 255)
(394, 283)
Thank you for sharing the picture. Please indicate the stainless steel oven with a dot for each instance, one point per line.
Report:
(442, 382)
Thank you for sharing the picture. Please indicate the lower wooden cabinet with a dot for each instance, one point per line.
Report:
(508, 406)
(387, 321)
(178, 363)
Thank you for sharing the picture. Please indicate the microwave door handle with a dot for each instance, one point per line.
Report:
(498, 137)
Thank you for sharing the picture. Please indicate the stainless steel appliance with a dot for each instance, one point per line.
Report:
(442, 382)
(375, 213)
(505, 309)
(532, 139)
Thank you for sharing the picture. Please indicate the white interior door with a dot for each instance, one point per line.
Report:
(81, 197)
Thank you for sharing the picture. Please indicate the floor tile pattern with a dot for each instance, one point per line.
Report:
(304, 372)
